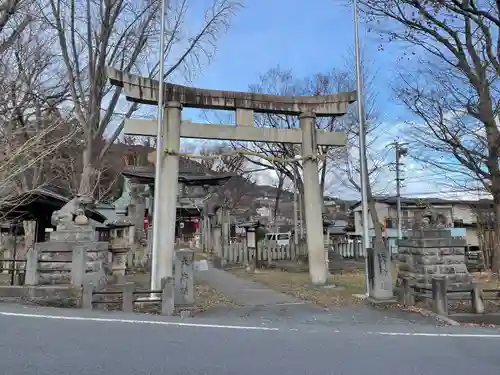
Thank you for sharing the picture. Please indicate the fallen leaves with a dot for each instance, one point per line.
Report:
(297, 284)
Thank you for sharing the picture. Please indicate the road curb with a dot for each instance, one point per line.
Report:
(439, 317)
(419, 310)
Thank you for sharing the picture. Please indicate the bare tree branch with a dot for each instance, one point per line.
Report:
(93, 34)
(455, 90)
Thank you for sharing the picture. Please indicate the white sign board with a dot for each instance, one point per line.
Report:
(251, 239)
(201, 265)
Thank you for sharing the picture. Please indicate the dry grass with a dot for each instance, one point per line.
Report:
(351, 277)
(487, 280)
(207, 298)
(298, 285)
(201, 256)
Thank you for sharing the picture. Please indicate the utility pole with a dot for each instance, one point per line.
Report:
(362, 148)
(159, 161)
(401, 151)
(295, 212)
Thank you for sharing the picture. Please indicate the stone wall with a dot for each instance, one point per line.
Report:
(56, 254)
(433, 253)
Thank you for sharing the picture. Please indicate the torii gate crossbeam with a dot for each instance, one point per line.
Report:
(144, 90)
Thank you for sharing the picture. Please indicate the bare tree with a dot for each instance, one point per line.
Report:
(282, 82)
(456, 95)
(32, 126)
(337, 164)
(34, 129)
(14, 18)
(123, 33)
(279, 191)
(345, 166)
(222, 159)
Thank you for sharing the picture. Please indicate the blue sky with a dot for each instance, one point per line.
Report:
(309, 37)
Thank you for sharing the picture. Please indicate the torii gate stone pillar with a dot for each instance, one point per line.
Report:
(145, 91)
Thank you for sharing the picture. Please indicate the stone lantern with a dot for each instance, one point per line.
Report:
(251, 241)
(121, 239)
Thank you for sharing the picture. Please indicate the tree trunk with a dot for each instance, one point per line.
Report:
(322, 182)
(281, 180)
(85, 188)
(379, 242)
(495, 262)
(29, 237)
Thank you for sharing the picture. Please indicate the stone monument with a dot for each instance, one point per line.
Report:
(73, 232)
(432, 251)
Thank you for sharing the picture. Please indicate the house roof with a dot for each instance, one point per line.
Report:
(187, 175)
(425, 201)
(40, 202)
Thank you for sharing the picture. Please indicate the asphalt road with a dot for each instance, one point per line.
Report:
(52, 342)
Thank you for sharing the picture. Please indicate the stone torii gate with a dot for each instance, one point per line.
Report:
(307, 108)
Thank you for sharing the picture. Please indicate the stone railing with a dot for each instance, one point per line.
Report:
(438, 296)
(240, 253)
(178, 289)
(129, 296)
(349, 250)
(65, 267)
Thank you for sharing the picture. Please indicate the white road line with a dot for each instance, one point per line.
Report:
(244, 328)
(133, 321)
(424, 334)
(288, 303)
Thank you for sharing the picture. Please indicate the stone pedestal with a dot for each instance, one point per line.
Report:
(57, 254)
(217, 240)
(121, 235)
(206, 233)
(433, 253)
(381, 283)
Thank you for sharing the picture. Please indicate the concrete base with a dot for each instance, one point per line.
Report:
(480, 319)
(325, 286)
(49, 295)
(381, 302)
(186, 314)
(360, 296)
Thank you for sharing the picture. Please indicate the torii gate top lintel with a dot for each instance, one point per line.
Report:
(145, 90)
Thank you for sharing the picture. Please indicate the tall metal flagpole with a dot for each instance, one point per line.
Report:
(362, 148)
(159, 153)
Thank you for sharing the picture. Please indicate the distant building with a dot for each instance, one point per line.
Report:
(460, 216)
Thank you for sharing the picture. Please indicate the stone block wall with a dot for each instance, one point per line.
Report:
(59, 250)
(432, 253)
